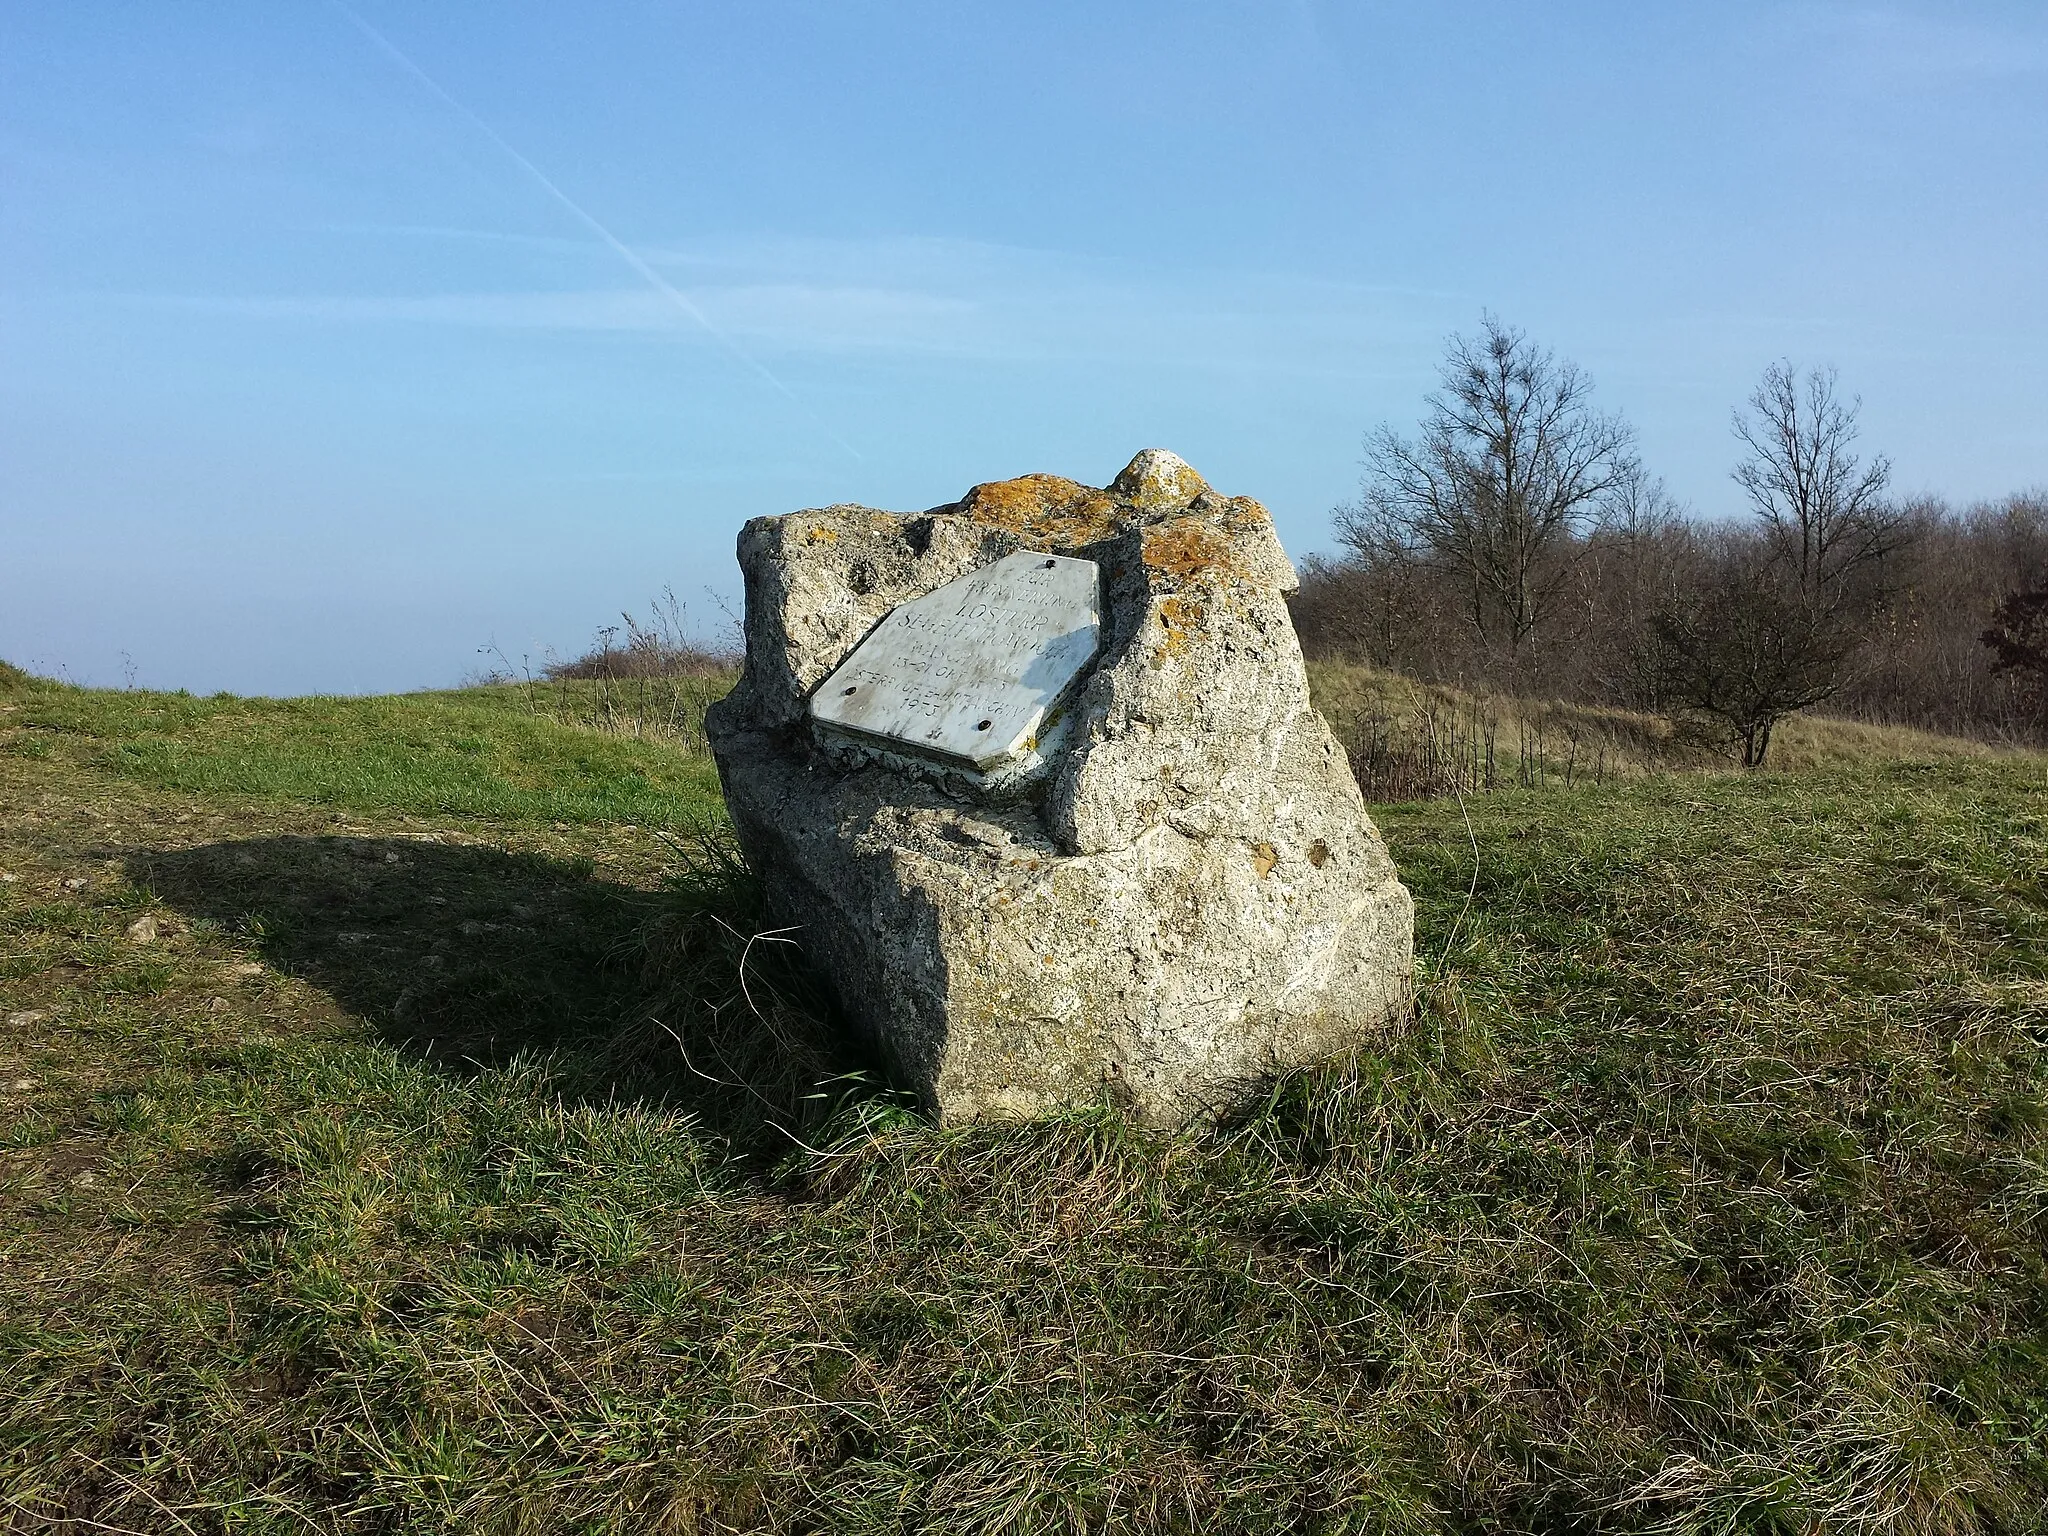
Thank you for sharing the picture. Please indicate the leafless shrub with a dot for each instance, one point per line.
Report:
(1748, 647)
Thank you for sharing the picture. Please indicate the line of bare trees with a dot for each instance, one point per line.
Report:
(1516, 542)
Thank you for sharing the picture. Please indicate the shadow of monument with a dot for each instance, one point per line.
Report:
(469, 956)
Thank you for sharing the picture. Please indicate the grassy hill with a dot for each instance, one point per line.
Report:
(402, 1129)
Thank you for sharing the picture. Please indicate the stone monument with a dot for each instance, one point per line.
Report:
(1037, 777)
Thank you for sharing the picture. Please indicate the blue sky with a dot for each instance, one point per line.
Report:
(336, 344)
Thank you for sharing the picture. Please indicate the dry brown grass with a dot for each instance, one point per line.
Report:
(1413, 740)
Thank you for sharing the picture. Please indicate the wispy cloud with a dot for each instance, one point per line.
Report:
(675, 296)
(799, 316)
(1250, 326)
(996, 304)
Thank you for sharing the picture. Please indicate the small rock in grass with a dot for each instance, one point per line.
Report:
(143, 930)
(84, 1181)
(391, 858)
(216, 1005)
(8, 877)
(248, 968)
(74, 884)
(23, 1084)
(25, 1018)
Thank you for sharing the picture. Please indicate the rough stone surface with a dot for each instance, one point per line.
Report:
(1193, 898)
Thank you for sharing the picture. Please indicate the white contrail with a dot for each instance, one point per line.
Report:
(625, 252)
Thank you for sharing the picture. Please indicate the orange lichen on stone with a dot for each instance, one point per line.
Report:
(1181, 618)
(1044, 510)
(1318, 853)
(1186, 548)
(1264, 859)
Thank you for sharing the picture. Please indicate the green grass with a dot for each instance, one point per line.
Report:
(431, 1172)
(485, 752)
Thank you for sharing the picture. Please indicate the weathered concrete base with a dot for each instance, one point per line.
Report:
(998, 978)
(1195, 897)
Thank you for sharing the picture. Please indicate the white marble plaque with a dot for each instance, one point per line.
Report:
(971, 674)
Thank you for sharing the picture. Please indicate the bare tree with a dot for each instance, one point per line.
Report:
(1824, 509)
(1511, 464)
(1640, 505)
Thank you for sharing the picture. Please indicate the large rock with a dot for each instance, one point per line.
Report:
(1189, 895)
